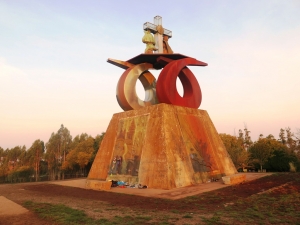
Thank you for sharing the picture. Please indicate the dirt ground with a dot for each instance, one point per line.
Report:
(103, 204)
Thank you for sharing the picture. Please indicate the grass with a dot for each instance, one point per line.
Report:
(61, 214)
(175, 211)
(258, 209)
(187, 216)
(212, 220)
(262, 208)
(266, 208)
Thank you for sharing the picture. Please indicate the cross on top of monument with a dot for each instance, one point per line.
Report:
(158, 31)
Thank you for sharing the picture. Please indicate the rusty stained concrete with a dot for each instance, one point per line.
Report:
(163, 146)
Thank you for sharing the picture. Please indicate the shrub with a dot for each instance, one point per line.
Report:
(292, 167)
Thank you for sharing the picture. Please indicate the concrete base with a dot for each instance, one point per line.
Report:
(164, 146)
(98, 185)
(10, 208)
(176, 193)
(234, 179)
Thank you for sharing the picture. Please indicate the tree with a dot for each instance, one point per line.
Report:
(3, 164)
(247, 140)
(70, 160)
(83, 159)
(280, 160)
(282, 137)
(290, 142)
(57, 148)
(270, 136)
(241, 136)
(262, 150)
(2, 156)
(86, 147)
(298, 144)
(78, 139)
(81, 154)
(14, 157)
(298, 136)
(23, 173)
(97, 142)
(65, 143)
(234, 147)
(52, 155)
(36, 152)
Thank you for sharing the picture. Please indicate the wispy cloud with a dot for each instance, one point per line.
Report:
(7, 70)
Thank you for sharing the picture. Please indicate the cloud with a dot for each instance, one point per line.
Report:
(7, 70)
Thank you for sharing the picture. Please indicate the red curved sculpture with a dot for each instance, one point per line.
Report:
(174, 65)
(166, 90)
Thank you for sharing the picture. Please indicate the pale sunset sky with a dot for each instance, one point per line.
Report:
(53, 67)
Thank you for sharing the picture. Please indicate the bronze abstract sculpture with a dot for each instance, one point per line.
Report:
(164, 89)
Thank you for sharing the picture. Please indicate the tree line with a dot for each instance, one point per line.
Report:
(64, 157)
(59, 158)
(266, 153)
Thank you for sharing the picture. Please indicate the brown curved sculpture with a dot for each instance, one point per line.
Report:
(126, 92)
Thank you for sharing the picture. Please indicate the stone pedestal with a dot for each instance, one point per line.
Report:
(234, 179)
(162, 146)
(98, 185)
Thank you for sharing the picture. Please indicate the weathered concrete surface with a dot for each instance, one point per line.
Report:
(8, 207)
(166, 146)
(98, 185)
(234, 179)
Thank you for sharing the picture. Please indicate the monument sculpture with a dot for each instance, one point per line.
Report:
(163, 141)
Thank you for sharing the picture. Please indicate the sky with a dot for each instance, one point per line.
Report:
(54, 70)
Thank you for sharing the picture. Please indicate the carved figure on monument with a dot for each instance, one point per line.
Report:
(119, 164)
(166, 47)
(113, 166)
(148, 39)
(159, 43)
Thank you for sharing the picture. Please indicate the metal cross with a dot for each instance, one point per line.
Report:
(157, 36)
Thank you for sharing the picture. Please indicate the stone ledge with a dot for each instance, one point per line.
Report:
(234, 179)
(98, 185)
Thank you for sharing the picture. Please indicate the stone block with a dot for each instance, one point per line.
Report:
(98, 185)
(234, 179)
